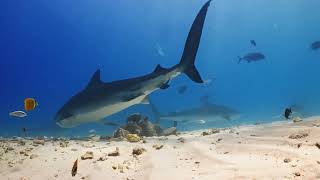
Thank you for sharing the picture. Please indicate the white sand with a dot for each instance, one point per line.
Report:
(256, 152)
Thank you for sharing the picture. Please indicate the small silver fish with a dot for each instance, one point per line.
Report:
(92, 131)
(199, 121)
(19, 114)
(160, 50)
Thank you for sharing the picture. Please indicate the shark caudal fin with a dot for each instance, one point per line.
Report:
(192, 44)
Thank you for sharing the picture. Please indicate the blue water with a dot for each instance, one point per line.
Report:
(50, 49)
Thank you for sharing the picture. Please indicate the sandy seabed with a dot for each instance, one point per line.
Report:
(281, 150)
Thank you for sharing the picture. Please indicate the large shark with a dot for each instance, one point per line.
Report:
(99, 100)
(206, 112)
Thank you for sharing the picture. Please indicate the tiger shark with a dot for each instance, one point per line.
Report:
(99, 99)
(206, 112)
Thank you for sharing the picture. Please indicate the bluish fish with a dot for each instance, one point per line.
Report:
(253, 42)
(251, 57)
(315, 45)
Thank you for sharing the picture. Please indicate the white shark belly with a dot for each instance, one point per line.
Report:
(111, 109)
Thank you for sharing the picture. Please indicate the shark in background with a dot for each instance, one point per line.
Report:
(99, 99)
(206, 112)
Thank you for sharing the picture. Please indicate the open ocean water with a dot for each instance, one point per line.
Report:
(50, 49)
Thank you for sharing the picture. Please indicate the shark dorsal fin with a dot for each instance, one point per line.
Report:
(158, 68)
(95, 80)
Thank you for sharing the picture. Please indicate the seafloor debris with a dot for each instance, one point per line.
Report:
(214, 131)
(299, 145)
(133, 138)
(149, 129)
(133, 128)
(87, 155)
(33, 156)
(115, 153)
(205, 133)
(102, 158)
(9, 149)
(120, 167)
(296, 119)
(298, 135)
(140, 125)
(169, 131)
(95, 138)
(297, 174)
(318, 145)
(157, 146)
(74, 168)
(316, 124)
(21, 142)
(64, 144)
(138, 151)
(211, 131)
(231, 131)
(24, 153)
(287, 160)
(87, 145)
(38, 141)
(121, 133)
(11, 163)
(182, 140)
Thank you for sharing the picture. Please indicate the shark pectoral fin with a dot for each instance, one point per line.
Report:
(165, 85)
(145, 100)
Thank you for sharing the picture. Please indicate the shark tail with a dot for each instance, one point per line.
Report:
(192, 44)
